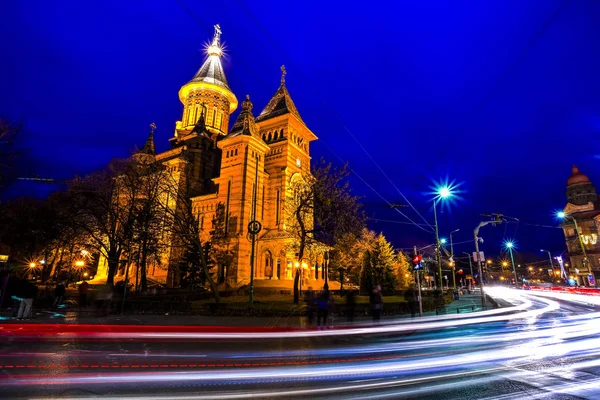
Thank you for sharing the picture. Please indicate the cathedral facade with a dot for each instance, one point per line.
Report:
(246, 171)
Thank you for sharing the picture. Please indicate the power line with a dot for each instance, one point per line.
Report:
(333, 112)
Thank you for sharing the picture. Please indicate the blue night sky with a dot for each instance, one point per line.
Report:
(502, 96)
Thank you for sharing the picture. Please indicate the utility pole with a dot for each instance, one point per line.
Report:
(437, 246)
(497, 219)
(471, 268)
(418, 272)
(453, 269)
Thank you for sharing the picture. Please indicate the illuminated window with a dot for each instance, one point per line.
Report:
(210, 118)
(218, 120)
(298, 162)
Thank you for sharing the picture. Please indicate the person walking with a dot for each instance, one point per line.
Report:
(83, 290)
(410, 295)
(28, 293)
(310, 301)
(322, 308)
(59, 294)
(376, 303)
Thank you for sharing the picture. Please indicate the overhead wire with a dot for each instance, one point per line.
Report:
(336, 115)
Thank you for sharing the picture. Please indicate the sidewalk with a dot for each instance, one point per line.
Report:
(466, 304)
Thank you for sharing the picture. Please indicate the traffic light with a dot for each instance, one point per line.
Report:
(416, 260)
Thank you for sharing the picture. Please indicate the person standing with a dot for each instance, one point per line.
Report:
(309, 300)
(29, 291)
(59, 294)
(322, 307)
(83, 290)
(376, 303)
(410, 295)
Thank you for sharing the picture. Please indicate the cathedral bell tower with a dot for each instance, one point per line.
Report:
(207, 94)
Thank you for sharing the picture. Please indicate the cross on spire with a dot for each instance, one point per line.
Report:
(218, 32)
(152, 128)
(283, 74)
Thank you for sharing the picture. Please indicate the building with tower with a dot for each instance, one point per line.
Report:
(245, 171)
(581, 227)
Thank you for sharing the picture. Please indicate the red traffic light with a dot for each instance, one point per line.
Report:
(417, 258)
(460, 271)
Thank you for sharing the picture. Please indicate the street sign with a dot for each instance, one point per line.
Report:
(254, 227)
(481, 256)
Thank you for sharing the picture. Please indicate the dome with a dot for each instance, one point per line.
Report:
(577, 177)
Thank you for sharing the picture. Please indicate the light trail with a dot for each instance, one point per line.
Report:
(492, 346)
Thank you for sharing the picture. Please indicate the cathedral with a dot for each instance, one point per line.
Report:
(247, 169)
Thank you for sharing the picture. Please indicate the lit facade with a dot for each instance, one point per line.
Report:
(216, 166)
(583, 206)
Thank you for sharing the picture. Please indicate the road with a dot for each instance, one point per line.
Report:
(546, 345)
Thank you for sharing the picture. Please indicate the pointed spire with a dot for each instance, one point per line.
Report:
(148, 147)
(212, 70)
(245, 123)
(281, 103)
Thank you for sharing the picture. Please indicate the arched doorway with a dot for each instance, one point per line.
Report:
(268, 265)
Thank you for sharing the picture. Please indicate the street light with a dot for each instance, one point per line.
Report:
(509, 244)
(550, 257)
(443, 240)
(563, 215)
(442, 193)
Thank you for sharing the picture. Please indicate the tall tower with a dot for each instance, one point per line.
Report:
(207, 94)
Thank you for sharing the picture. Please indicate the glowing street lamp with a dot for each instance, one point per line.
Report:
(510, 245)
(443, 241)
(442, 193)
(32, 265)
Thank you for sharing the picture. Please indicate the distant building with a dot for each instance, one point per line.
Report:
(217, 167)
(583, 208)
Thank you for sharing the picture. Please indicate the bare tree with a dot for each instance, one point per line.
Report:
(320, 209)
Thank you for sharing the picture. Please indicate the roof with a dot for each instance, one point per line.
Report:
(245, 123)
(212, 72)
(148, 147)
(281, 103)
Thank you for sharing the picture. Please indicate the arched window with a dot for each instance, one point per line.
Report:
(236, 151)
(281, 134)
(269, 137)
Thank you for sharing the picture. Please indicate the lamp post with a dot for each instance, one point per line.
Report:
(550, 257)
(453, 265)
(442, 193)
(563, 215)
(510, 245)
(326, 259)
(471, 268)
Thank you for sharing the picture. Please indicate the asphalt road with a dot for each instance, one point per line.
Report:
(545, 346)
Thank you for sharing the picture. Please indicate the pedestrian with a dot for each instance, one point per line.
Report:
(28, 293)
(350, 305)
(83, 289)
(330, 308)
(322, 305)
(410, 295)
(376, 303)
(59, 294)
(310, 301)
